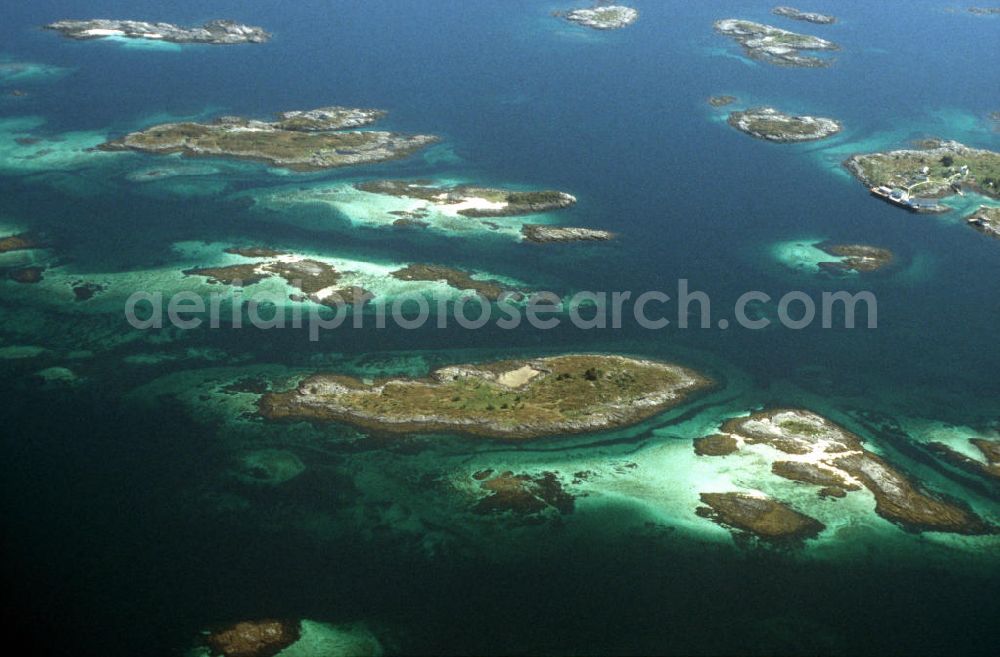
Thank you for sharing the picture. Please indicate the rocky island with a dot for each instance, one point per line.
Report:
(760, 516)
(860, 258)
(471, 200)
(722, 101)
(772, 125)
(817, 452)
(774, 45)
(300, 140)
(985, 11)
(514, 400)
(456, 278)
(219, 32)
(808, 16)
(913, 178)
(986, 220)
(607, 17)
(542, 234)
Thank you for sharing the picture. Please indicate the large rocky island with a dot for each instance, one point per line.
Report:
(607, 17)
(516, 400)
(472, 200)
(298, 140)
(816, 452)
(772, 125)
(808, 16)
(218, 32)
(774, 45)
(912, 178)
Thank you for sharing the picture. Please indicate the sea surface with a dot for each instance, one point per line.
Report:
(125, 531)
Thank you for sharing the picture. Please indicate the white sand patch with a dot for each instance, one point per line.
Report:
(103, 32)
(519, 377)
(455, 209)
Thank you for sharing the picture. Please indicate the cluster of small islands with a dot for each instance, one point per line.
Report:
(563, 395)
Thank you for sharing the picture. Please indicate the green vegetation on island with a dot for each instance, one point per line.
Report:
(300, 140)
(517, 400)
(471, 200)
(936, 170)
(772, 125)
(774, 45)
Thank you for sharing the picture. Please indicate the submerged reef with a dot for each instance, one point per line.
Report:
(270, 638)
(760, 516)
(299, 140)
(263, 638)
(774, 45)
(19, 242)
(936, 170)
(773, 125)
(470, 200)
(522, 494)
(808, 16)
(986, 220)
(220, 32)
(517, 400)
(861, 258)
(607, 17)
(818, 452)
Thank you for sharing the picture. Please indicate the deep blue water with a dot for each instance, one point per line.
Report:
(102, 561)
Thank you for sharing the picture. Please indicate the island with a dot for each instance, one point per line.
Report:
(760, 516)
(456, 278)
(513, 400)
(472, 200)
(272, 637)
(861, 258)
(316, 280)
(543, 234)
(985, 11)
(722, 101)
(772, 125)
(218, 32)
(607, 17)
(299, 140)
(816, 452)
(808, 16)
(986, 220)
(936, 170)
(774, 45)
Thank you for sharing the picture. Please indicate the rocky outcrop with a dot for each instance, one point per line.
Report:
(759, 515)
(471, 200)
(456, 278)
(717, 445)
(522, 494)
(219, 32)
(773, 45)
(607, 17)
(772, 125)
(856, 257)
(722, 101)
(300, 140)
(808, 16)
(543, 233)
(264, 638)
(822, 453)
(517, 400)
(986, 220)
(20, 242)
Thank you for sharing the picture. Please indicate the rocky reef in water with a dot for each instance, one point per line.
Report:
(760, 516)
(820, 453)
(515, 400)
(269, 638)
(860, 258)
(522, 495)
(471, 200)
(808, 16)
(456, 278)
(773, 125)
(308, 140)
(985, 11)
(219, 32)
(774, 45)
(722, 101)
(986, 220)
(606, 17)
(542, 233)
(937, 170)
